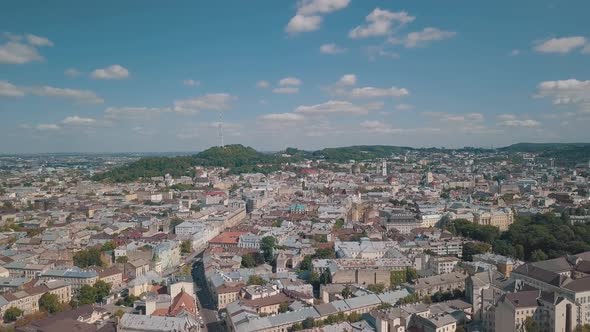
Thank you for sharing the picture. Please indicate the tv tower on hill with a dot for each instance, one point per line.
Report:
(220, 129)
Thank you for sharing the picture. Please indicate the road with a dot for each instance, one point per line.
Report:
(205, 300)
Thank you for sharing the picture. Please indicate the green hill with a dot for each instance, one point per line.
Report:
(240, 159)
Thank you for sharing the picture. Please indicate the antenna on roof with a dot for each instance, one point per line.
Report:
(220, 128)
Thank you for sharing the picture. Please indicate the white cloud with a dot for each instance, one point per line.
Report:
(505, 117)
(404, 107)
(565, 91)
(47, 126)
(83, 96)
(421, 38)
(209, 102)
(262, 84)
(8, 89)
(300, 23)
(560, 45)
(78, 121)
(308, 16)
(374, 51)
(283, 117)
(347, 80)
(113, 72)
(379, 127)
(456, 118)
(312, 7)
(337, 107)
(289, 81)
(134, 112)
(331, 49)
(586, 49)
(18, 53)
(380, 23)
(371, 92)
(190, 82)
(286, 90)
(72, 72)
(528, 123)
(38, 40)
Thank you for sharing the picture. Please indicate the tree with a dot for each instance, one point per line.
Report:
(339, 223)
(86, 295)
(119, 313)
(530, 325)
(411, 274)
(346, 292)
(306, 263)
(474, 248)
(267, 245)
(102, 290)
(49, 303)
(248, 261)
(376, 288)
(256, 280)
(89, 257)
(538, 255)
(307, 323)
(108, 246)
(12, 314)
(283, 307)
(186, 247)
(122, 259)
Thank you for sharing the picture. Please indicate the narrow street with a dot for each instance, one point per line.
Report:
(204, 299)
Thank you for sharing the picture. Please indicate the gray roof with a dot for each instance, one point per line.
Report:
(363, 301)
(156, 323)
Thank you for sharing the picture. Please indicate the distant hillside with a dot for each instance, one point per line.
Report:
(544, 147)
(565, 154)
(359, 152)
(240, 159)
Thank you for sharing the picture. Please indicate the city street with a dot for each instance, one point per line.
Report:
(204, 299)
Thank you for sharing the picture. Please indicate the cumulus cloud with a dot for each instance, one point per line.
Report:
(78, 121)
(568, 91)
(121, 113)
(456, 118)
(8, 89)
(38, 40)
(18, 53)
(262, 84)
(560, 45)
(286, 90)
(421, 38)
(331, 48)
(113, 72)
(20, 49)
(309, 14)
(404, 107)
(372, 92)
(282, 117)
(82, 96)
(511, 120)
(47, 126)
(209, 102)
(189, 82)
(347, 80)
(337, 107)
(300, 23)
(380, 22)
(290, 81)
(311, 7)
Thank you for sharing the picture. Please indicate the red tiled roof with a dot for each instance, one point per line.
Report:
(227, 238)
(183, 302)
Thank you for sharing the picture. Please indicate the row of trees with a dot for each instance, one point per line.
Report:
(310, 323)
(534, 238)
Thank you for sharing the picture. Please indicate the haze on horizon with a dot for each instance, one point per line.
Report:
(150, 76)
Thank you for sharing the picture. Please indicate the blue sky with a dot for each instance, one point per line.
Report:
(114, 76)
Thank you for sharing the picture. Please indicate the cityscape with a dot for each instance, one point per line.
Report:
(305, 165)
